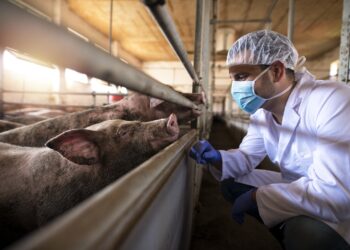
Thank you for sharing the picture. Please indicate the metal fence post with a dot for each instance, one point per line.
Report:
(344, 57)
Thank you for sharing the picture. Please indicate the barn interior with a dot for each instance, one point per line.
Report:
(59, 57)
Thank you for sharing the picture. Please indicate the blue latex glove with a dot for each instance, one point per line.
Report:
(203, 153)
(245, 204)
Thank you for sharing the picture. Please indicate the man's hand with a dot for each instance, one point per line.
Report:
(203, 153)
(245, 203)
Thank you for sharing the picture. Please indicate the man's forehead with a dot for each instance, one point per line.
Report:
(243, 68)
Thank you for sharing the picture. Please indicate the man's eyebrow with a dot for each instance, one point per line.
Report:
(239, 73)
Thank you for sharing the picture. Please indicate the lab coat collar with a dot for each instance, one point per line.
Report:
(305, 82)
(291, 116)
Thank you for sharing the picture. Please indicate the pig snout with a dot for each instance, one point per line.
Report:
(172, 126)
(166, 132)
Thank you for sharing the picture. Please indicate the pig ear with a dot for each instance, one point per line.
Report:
(153, 102)
(77, 145)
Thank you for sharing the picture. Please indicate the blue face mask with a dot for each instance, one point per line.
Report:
(244, 95)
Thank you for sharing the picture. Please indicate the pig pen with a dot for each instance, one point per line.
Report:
(148, 208)
(152, 206)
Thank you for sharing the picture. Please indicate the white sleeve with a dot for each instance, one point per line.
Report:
(325, 192)
(237, 162)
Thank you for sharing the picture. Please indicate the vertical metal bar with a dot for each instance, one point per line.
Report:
(197, 61)
(93, 98)
(206, 58)
(291, 12)
(344, 57)
(228, 105)
(62, 85)
(206, 51)
(198, 42)
(57, 12)
(2, 71)
(213, 66)
(269, 13)
(110, 27)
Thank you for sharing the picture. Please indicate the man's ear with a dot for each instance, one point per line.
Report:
(77, 145)
(278, 70)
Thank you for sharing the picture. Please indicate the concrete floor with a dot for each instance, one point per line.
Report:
(213, 226)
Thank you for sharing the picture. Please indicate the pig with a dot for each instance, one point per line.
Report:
(25, 119)
(134, 107)
(47, 113)
(7, 125)
(39, 184)
(21, 111)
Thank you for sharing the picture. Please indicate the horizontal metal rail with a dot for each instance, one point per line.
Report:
(93, 93)
(105, 220)
(216, 21)
(161, 14)
(46, 41)
(47, 105)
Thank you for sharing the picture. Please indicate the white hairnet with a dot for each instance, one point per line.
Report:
(263, 47)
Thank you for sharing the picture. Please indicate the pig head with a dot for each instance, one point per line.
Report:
(113, 148)
(145, 108)
(38, 184)
(116, 144)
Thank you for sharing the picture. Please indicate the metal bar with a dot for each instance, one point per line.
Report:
(269, 13)
(1, 82)
(47, 105)
(215, 21)
(272, 6)
(344, 57)
(206, 48)
(105, 220)
(51, 43)
(213, 66)
(58, 93)
(110, 26)
(161, 14)
(57, 10)
(291, 13)
(197, 61)
(206, 60)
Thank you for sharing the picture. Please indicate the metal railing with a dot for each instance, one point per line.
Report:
(161, 14)
(93, 94)
(147, 203)
(39, 38)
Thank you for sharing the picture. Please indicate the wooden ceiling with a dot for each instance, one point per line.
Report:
(317, 23)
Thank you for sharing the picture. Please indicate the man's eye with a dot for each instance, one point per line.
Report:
(240, 77)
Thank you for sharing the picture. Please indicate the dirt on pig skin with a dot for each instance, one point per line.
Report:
(133, 107)
(39, 184)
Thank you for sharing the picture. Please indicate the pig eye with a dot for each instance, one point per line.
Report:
(125, 131)
(122, 132)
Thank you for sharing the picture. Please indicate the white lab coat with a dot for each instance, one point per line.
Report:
(312, 149)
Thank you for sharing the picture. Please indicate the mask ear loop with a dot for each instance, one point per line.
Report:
(299, 66)
(256, 78)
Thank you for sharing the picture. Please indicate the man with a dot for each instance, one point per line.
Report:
(302, 125)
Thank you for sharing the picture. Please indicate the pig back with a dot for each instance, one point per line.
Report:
(35, 135)
(7, 125)
(37, 185)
